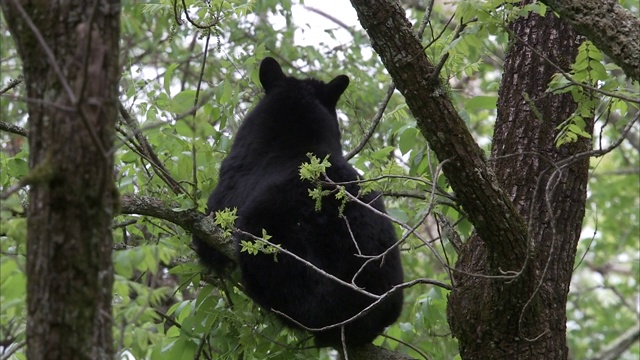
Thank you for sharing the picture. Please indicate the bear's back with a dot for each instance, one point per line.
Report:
(260, 177)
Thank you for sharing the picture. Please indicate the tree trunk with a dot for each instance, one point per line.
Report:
(551, 199)
(69, 51)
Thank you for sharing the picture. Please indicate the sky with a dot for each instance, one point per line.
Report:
(315, 24)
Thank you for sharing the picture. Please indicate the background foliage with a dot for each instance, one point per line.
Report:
(173, 64)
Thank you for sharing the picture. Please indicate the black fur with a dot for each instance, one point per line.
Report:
(260, 177)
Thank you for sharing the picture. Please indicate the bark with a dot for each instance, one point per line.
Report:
(551, 199)
(498, 317)
(69, 51)
(612, 28)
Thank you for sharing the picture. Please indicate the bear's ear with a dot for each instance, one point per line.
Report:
(270, 73)
(335, 88)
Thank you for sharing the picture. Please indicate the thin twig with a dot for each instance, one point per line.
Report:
(425, 19)
(194, 157)
(600, 152)
(12, 83)
(147, 150)
(215, 22)
(332, 18)
(366, 310)
(309, 264)
(436, 72)
(374, 123)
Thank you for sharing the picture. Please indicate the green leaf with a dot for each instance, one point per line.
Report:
(226, 92)
(314, 169)
(182, 102)
(18, 168)
(168, 77)
(383, 153)
(407, 140)
(481, 102)
(226, 219)
(183, 128)
(598, 71)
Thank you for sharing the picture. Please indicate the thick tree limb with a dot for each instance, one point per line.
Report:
(194, 221)
(488, 207)
(612, 28)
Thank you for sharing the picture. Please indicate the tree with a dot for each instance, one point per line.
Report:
(495, 242)
(550, 195)
(70, 60)
(504, 265)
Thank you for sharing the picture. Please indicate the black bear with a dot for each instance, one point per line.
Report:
(260, 177)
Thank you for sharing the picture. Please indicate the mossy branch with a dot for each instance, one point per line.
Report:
(199, 224)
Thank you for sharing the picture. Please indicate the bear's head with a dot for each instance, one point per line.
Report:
(295, 115)
(272, 77)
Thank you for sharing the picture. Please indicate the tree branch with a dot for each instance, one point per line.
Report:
(374, 123)
(612, 28)
(332, 18)
(147, 150)
(14, 129)
(191, 220)
(12, 83)
(620, 345)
